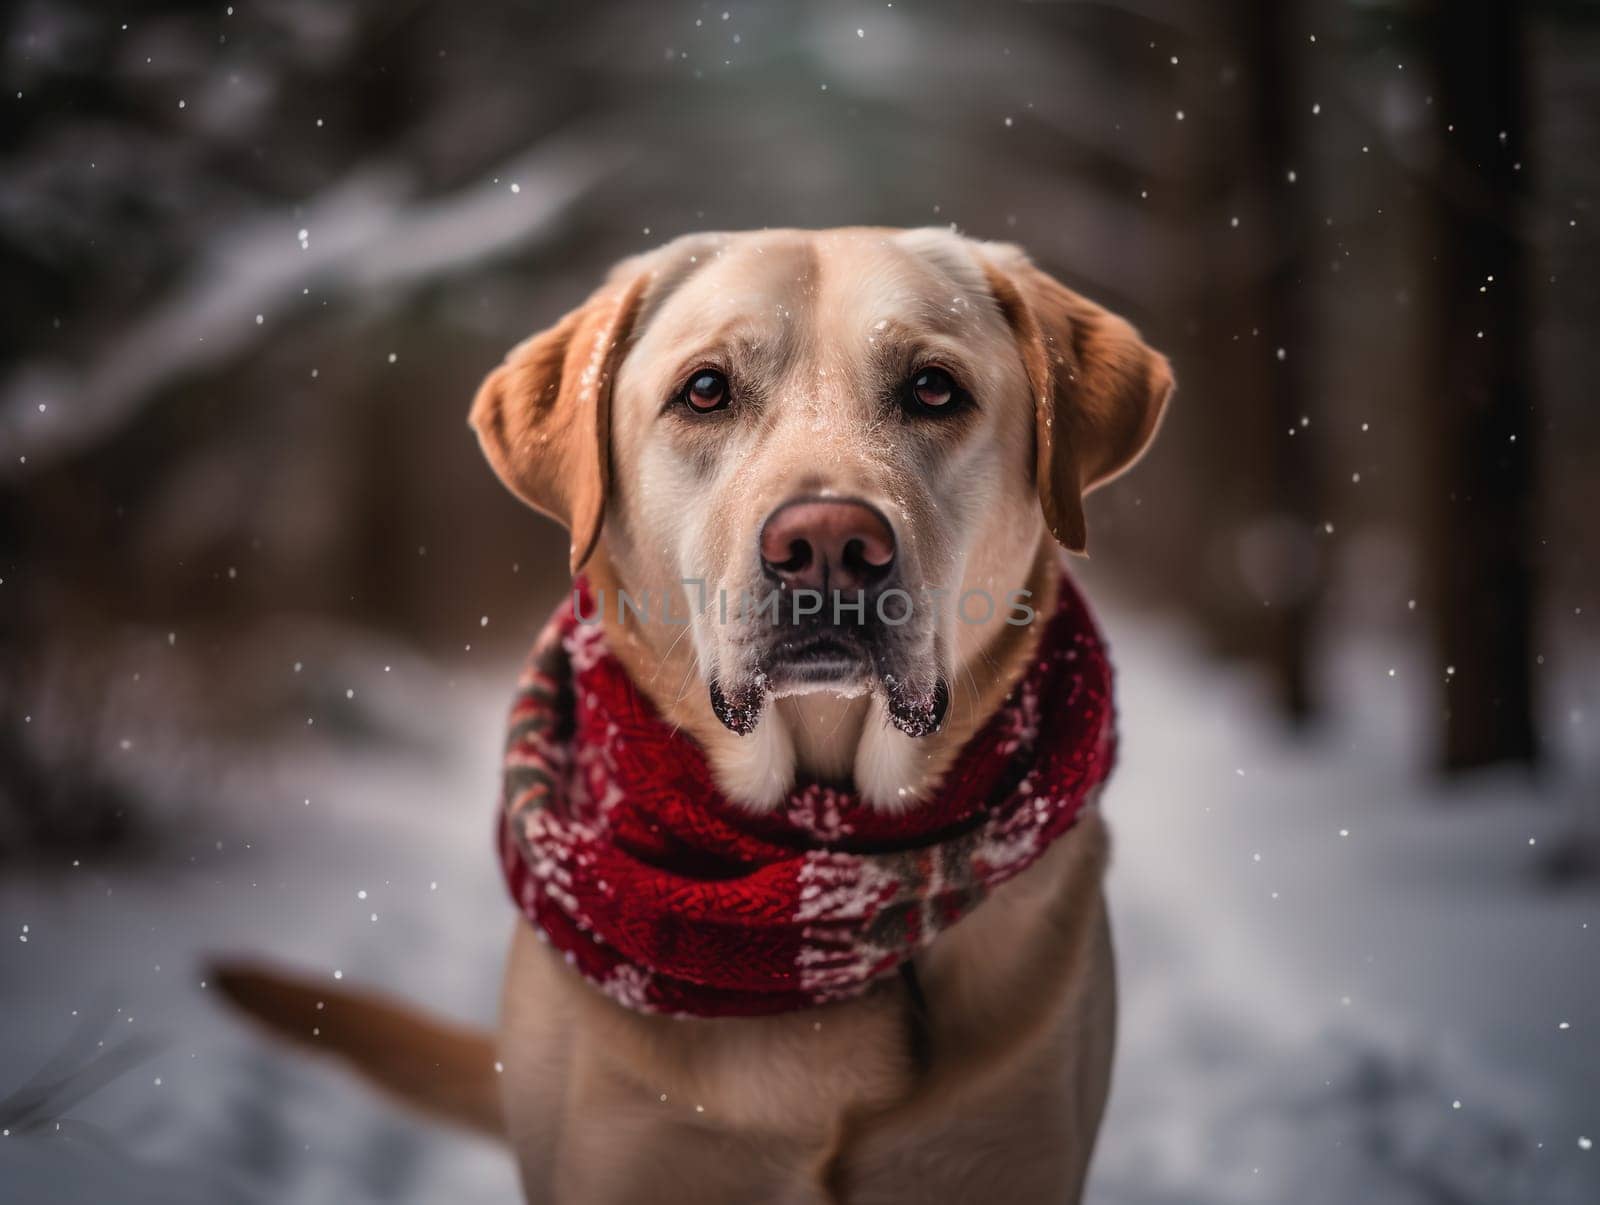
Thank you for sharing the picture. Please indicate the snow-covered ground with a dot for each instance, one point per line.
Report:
(1340, 983)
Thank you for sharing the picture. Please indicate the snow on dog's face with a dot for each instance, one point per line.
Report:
(836, 451)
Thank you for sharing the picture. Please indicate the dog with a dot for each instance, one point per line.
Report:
(831, 410)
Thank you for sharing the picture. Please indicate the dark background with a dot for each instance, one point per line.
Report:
(255, 259)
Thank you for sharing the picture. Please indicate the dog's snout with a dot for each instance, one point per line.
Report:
(827, 544)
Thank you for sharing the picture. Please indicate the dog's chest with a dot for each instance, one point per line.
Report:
(606, 1099)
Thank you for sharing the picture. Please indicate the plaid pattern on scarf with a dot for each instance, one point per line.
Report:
(618, 846)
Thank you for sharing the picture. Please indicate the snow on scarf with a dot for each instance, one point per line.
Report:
(667, 896)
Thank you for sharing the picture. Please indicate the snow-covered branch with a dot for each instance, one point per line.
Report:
(363, 236)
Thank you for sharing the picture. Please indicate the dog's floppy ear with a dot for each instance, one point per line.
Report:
(1099, 389)
(543, 417)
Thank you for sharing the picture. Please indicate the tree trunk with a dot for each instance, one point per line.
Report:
(1482, 479)
(1288, 326)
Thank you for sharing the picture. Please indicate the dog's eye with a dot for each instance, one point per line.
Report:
(933, 391)
(706, 391)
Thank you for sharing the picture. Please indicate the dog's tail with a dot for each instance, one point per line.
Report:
(441, 1069)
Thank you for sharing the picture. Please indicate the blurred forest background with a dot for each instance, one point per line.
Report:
(255, 258)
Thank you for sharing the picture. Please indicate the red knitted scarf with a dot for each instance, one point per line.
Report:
(668, 897)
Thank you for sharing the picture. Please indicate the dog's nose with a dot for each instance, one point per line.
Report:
(827, 543)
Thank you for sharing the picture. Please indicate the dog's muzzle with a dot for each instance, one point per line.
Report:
(834, 617)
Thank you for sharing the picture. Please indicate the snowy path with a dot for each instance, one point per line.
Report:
(1301, 1009)
(1321, 958)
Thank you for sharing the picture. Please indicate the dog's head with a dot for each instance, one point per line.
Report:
(836, 450)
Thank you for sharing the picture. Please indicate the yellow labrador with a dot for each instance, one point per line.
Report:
(865, 396)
